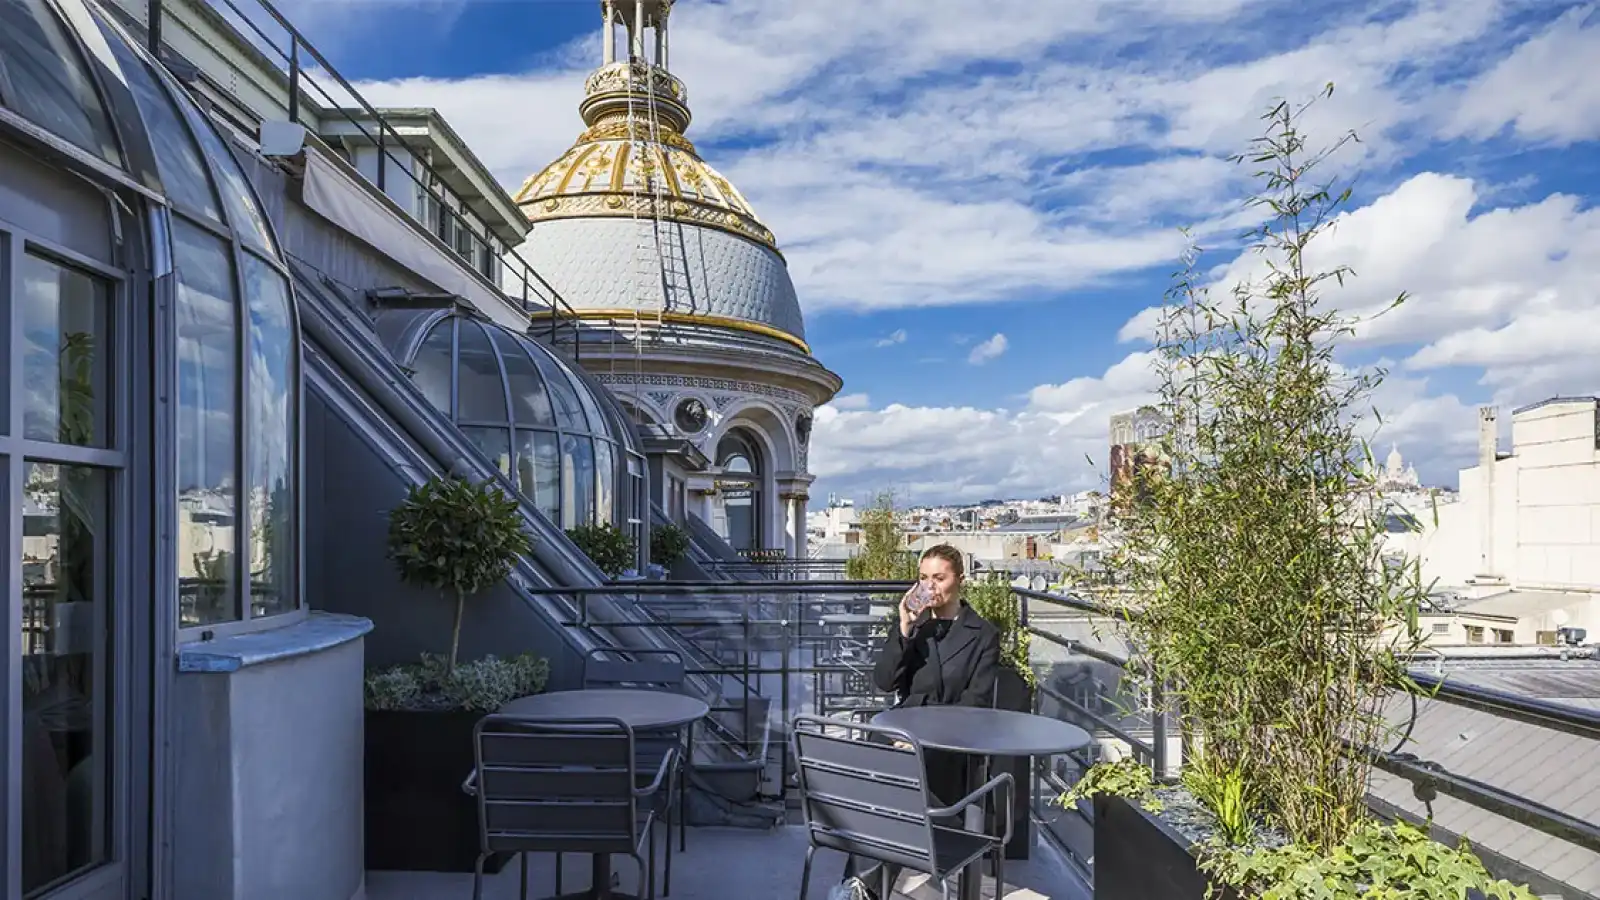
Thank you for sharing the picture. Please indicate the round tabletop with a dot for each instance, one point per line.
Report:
(638, 709)
(979, 730)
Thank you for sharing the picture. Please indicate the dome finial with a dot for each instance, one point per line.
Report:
(635, 16)
(640, 85)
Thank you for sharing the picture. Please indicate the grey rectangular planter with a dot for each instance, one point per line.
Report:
(1139, 857)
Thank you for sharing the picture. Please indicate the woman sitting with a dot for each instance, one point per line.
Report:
(943, 654)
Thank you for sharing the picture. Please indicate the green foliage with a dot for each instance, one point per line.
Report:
(456, 537)
(1226, 794)
(610, 547)
(434, 683)
(991, 598)
(1374, 861)
(668, 544)
(1255, 564)
(1124, 778)
(883, 555)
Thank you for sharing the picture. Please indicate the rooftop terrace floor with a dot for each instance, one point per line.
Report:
(728, 864)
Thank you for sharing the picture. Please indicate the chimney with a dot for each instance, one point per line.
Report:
(1488, 447)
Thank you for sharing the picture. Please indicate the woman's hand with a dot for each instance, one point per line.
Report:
(908, 615)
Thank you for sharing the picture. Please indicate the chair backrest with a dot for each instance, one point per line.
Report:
(860, 794)
(548, 785)
(607, 667)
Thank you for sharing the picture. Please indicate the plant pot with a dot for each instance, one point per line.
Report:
(1139, 857)
(1014, 694)
(417, 817)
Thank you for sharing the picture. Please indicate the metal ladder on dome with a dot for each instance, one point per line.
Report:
(661, 272)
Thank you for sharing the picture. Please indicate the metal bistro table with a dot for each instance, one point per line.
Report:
(641, 710)
(984, 733)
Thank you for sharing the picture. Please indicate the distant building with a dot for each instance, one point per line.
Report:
(1516, 560)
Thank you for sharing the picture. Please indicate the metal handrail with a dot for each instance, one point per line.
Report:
(1425, 776)
(559, 309)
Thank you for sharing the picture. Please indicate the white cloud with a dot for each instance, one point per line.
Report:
(988, 350)
(897, 336)
(1545, 90)
(847, 402)
(914, 153)
(973, 188)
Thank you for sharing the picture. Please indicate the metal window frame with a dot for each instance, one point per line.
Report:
(122, 683)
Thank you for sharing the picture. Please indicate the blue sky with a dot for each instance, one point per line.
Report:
(943, 172)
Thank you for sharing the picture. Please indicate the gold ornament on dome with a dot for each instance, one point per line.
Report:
(552, 204)
(614, 201)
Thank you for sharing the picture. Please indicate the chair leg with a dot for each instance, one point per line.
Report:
(558, 874)
(666, 880)
(683, 811)
(524, 858)
(885, 883)
(1000, 873)
(477, 877)
(652, 838)
(805, 871)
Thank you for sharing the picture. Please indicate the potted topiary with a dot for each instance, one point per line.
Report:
(609, 547)
(990, 596)
(1254, 588)
(458, 539)
(668, 545)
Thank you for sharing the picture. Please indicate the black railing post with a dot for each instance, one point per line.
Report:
(153, 13)
(294, 80)
(383, 155)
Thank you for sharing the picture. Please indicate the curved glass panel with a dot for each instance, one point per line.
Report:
(480, 391)
(43, 78)
(577, 481)
(243, 213)
(605, 467)
(494, 444)
(183, 175)
(591, 410)
(431, 367)
(208, 335)
(569, 412)
(530, 404)
(539, 471)
(272, 443)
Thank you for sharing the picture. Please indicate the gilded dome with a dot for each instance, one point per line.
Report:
(631, 222)
(604, 175)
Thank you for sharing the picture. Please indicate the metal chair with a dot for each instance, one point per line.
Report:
(655, 670)
(562, 786)
(871, 800)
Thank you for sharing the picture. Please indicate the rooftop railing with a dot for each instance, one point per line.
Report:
(518, 281)
(806, 646)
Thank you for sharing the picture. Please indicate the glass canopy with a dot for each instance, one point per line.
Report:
(555, 433)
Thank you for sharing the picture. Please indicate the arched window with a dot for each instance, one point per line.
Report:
(534, 417)
(740, 485)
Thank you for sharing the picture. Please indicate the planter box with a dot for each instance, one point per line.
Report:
(417, 818)
(1012, 693)
(1139, 857)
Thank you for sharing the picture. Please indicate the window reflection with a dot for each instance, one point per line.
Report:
(237, 195)
(272, 448)
(64, 700)
(530, 404)
(494, 444)
(43, 78)
(569, 414)
(577, 454)
(207, 417)
(605, 466)
(183, 176)
(480, 391)
(539, 471)
(431, 368)
(64, 349)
